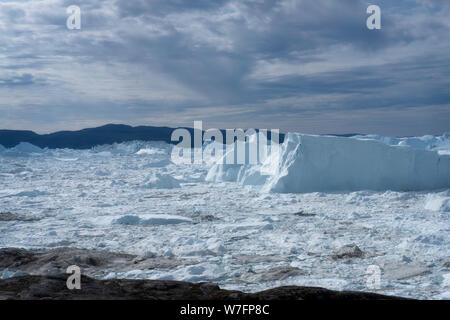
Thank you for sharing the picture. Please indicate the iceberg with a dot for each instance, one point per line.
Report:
(327, 163)
(161, 181)
(310, 163)
(247, 173)
(438, 202)
(24, 148)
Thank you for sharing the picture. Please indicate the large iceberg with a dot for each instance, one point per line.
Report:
(327, 163)
(309, 163)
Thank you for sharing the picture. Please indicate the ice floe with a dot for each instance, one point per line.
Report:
(161, 181)
(438, 202)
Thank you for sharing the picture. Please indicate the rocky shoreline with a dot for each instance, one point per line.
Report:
(40, 274)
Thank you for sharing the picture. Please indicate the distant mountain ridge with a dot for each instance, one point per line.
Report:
(91, 137)
(86, 138)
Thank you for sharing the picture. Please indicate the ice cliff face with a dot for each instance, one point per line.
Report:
(308, 163)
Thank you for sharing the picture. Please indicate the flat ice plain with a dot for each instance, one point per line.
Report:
(131, 198)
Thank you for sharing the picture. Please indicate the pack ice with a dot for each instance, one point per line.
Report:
(130, 197)
(309, 163)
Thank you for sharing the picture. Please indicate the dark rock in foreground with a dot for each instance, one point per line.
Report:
(42, 276)
(54, 288)
(94, 263)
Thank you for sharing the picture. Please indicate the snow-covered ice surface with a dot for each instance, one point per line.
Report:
(441, 144)
(131, 198)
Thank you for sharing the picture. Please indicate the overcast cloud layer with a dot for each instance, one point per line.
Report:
(299, 65)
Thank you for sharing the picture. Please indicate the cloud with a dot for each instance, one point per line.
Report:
(232, 63)
(25, 79)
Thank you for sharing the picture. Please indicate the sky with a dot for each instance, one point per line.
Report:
(309, 66)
